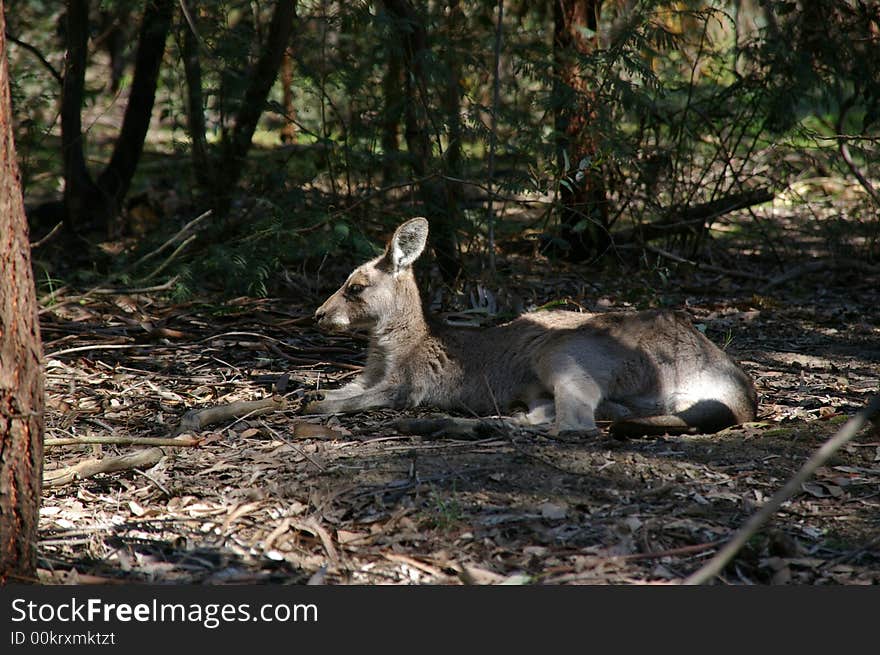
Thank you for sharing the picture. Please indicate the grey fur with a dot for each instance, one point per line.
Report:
(646, 371)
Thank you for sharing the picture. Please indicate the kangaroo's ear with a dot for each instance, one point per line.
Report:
(407, 244)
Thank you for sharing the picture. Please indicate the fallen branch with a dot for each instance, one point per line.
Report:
(196, 420)
(820, 265)
(90, 467)
(692, 218)
(97, 346)
(714, 566)
(124, 441)
(705, 267)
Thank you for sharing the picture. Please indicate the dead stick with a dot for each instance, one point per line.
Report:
(714, 566)
(170, 258)
(196, 420)
(311, 525)
(171, 241)
(90, 467)
(311, 360)
(98, 346)
(124, 441)
(706, 267)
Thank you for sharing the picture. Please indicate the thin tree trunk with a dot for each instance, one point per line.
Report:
(493, 129)
(584, 214)
(195, 111)
(451, 104)
(78, 183)
(392, 110)
(21, 380)
(288, 131)
(262, 78)
(84, 198)
(432, 190)
(115, 180)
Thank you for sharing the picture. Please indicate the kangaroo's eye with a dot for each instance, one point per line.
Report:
(354, 289)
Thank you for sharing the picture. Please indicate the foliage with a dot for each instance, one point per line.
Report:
(695, 102)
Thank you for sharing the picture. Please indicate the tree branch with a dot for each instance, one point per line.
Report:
(36, 53)
(693, 218)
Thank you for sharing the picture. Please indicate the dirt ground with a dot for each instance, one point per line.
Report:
(281, 498)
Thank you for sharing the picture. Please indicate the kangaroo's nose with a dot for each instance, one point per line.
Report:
(319, 315)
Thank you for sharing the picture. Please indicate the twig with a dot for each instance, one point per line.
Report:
(692, 218)
(90, 467)
(36, 53)
(196, 420)
(192, 26)
(311, 525)
(311, 360)
(705, 267)
(714, 566)
(158, 484)
(124, 441)
(847, 157)
(819, 265)
(299, 451)
(170, 259)
(102, 291)
(52, 232)
(170, 241)
(97, 346)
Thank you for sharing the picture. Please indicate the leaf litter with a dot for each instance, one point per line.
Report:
(279, 497)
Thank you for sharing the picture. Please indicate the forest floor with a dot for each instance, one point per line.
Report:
(279, 497)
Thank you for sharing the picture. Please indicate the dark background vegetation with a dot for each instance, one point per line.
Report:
(592, 131)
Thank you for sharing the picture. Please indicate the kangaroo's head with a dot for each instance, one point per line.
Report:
(383, 291)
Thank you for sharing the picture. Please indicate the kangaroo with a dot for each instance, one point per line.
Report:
(647, 372)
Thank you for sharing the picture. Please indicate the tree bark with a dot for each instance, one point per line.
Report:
(262, 78)
(392, 110)
(195, 111)
(78, 183)
(288, 131)
(116, 178)
(451, 104)
(584, 213)
(21, 380)
(84, 198)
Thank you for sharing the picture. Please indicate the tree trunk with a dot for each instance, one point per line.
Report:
(451, 104)
(21, 380)
(115, 180)
(432, 190)
(584, 214)
(78, 183)
(288, 131)
(88, 202)
(236, 147)
(392, 110)
(195, 110)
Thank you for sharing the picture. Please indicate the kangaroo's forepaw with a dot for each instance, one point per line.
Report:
(313, 402)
